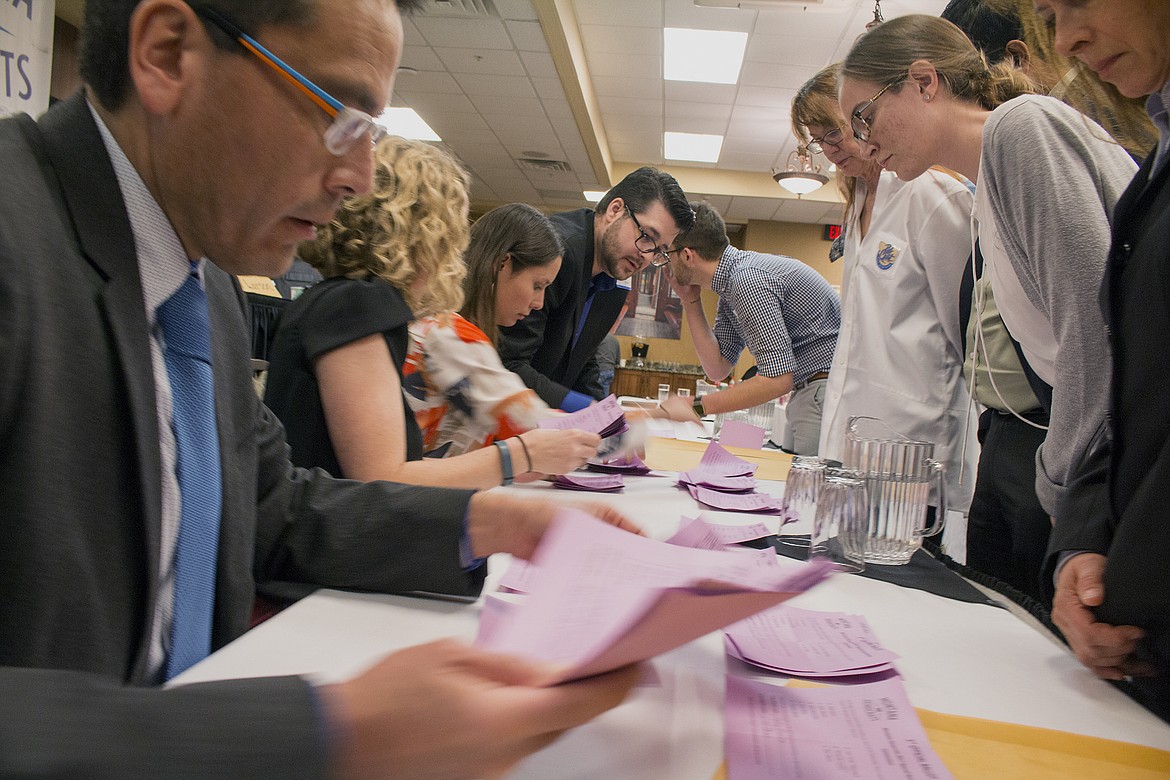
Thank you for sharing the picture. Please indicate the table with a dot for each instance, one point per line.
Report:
(958, 658)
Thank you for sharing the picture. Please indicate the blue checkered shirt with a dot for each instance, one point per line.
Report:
(783, 311)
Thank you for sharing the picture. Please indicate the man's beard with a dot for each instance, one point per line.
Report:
(611, 258)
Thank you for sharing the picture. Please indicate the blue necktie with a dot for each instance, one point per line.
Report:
(186, 330)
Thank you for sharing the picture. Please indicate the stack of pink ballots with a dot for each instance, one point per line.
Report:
(597, 483)
(866, 728)
(723, 481)
(702, 535)
(605, 418)
(622, 464)
(804, 643)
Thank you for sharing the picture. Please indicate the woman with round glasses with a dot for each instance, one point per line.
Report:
(919, 94)
(1111, 601)
(336, 375)
(899, 354)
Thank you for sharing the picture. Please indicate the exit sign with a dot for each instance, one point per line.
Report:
(832, 232)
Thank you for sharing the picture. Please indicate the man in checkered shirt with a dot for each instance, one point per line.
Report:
(783, 311)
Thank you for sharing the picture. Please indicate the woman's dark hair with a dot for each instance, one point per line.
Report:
(517, 232)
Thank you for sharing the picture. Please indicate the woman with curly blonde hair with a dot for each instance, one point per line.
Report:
(336, 376)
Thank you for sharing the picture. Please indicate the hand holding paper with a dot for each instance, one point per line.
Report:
(601, 599)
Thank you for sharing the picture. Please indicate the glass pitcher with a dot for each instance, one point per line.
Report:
(898, 473)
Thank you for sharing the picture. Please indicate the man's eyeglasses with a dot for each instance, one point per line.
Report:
(832, 138)
(647, 245)
(862, 125)
(348, 125)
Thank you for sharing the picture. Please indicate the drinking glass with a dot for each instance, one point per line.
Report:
(663, 393)
(801, 491)
(684, 392)
(842, 520)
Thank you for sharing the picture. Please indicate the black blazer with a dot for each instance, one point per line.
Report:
(80, 498)
(540, 347)
(1131, 526)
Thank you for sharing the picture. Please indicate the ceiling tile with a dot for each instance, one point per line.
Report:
(515, 9)
(628, 87)
(746, 161)
(460, 128)
(494, 104)
(463, 33)
(752, 208)
(812, 23)
(495, 86)
(429, 81)
(787, 50)
(527, 36)
(620, 40)
(707, 93)
(631, 107)
(628, 64)
(539, 64)
(769, 74)
(684, 13)
(420, 57)
(483, 62)
(432, 104)
(638, 13)
(681, 109)
(555, 108)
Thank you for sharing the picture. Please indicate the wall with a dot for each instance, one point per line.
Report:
(797, 240)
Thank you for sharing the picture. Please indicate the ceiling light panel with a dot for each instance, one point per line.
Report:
(696, 147)
(708, 56)
(407, 123)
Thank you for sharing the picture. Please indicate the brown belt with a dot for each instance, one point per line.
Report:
(812, 378)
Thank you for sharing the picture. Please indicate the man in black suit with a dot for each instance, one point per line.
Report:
(193, 155)
(554, 348)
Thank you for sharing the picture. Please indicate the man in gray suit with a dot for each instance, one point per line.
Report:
(192, 142)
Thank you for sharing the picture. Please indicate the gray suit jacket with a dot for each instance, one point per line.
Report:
(80, 498)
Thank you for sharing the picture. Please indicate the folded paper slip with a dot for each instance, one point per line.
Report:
(760, 503)
(601, 483)
(723, 484)
(717, 460)
(682, 455)
(703, 535)
(632, 465)
(809, 643)
(602, 598)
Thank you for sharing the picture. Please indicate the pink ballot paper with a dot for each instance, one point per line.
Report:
(868, 731)
(595, 418)
(700, 534)
(804, 642)
(717, 482)
(603, 483)
(738, 502)
(601, 598)
(740, 434)
(717, 460)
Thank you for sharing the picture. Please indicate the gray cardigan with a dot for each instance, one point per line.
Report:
(1053, 177)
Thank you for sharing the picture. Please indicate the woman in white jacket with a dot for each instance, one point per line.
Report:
(900, 351)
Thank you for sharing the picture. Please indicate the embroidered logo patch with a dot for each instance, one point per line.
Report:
(886, 255)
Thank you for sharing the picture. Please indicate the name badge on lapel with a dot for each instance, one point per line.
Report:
(887, 255)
